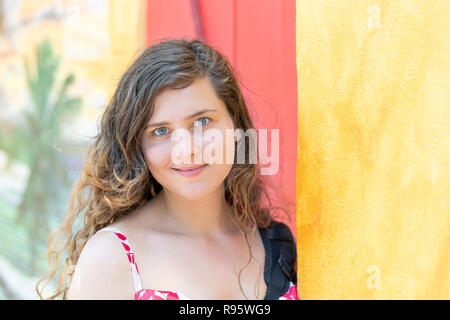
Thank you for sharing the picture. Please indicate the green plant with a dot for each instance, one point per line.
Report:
(37, 143)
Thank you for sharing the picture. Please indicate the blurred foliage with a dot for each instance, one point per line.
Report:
(37, 143)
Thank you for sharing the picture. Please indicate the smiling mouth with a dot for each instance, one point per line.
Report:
(190, 171)
(192, 167)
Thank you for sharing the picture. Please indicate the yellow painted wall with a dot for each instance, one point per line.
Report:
(373, 172)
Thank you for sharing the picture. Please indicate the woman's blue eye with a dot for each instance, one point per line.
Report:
(162, 131)
(159, 132)
(203, 121)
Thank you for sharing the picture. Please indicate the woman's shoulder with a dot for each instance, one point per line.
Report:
(102, 270)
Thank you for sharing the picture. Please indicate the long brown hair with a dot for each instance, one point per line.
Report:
(115, 178)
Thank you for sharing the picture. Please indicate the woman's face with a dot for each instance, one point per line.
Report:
(185, 111)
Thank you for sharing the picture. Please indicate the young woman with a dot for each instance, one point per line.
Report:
(186, 231)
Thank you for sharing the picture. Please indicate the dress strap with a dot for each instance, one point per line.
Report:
(126, 245)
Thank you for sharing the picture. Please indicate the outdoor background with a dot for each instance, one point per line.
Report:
(60, 61)
(359, 90)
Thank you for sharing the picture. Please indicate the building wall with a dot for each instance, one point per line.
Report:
(373, 174)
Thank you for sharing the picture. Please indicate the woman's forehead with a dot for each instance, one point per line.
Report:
(181, 104)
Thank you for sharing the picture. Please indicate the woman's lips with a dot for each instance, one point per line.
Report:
(190, 171)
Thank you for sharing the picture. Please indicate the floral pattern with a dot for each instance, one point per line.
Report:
(291, 294)
(150, 294)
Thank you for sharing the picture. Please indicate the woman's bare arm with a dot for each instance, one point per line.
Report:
(102, 271)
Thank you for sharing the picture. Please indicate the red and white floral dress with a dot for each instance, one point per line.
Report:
(150, 294)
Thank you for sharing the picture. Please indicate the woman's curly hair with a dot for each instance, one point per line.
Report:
(115, 178)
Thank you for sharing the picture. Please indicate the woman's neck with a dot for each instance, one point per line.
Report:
(208, 217)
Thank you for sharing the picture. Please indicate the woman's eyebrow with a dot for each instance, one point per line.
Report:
(189, 117)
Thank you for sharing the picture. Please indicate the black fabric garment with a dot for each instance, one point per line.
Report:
(281, 258)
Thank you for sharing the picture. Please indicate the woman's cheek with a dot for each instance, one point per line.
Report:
(157, 156)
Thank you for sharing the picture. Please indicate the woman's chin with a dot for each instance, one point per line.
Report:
(192, 192)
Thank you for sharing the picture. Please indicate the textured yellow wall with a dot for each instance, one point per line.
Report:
(373, 172)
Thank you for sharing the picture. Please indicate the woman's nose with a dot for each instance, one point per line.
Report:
(187, 147)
